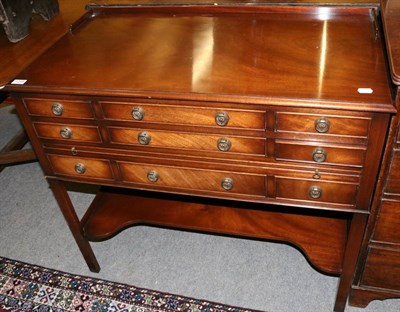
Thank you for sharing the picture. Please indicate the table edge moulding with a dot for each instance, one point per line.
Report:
(213, 129)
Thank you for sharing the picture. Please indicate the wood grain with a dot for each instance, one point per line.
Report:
(217, 56)
(134, 208)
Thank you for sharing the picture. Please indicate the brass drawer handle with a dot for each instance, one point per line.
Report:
(80, 168)
(227, 184)
(222, 118)
(319, 155)
(57, 109)
(315, 192)
(144, 138)
(153, 176)
(322, 125)
(224, 144)
(66, 133)
(137, 113)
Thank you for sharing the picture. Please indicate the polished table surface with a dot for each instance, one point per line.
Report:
(329, 67)
(14, 57)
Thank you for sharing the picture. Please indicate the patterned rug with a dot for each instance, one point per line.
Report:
(26, 287)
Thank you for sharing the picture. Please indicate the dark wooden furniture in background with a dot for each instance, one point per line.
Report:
(378, 273)
(15, 15)
(220, 126)
(14, 57)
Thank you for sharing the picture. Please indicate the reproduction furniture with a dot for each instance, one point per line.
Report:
(264, 121)
(378, 273)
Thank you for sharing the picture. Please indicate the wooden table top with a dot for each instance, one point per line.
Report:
(14, 57)
(220, 53)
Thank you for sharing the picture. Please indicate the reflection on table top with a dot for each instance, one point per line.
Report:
(14, 57)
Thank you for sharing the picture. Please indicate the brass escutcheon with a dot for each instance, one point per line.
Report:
(153, 176)
(315, 192)
(322, 125)
(227, 184)
(224, 144)
(222, 118)
(144, 138)
(66, 133)
(137, 113)
(80, 168)
(319, 155)
(57, 109)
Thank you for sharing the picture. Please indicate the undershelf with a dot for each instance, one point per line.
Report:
(320, 235)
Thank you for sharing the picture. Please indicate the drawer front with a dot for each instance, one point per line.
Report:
(353, 156)
(393, 181)
(382, 269)
(81, 167)
(188, 178)
(388, 223)
(192, 141)
(322, 124)
(184, 115)
(59, 108)
(67, 132)
(316, 191)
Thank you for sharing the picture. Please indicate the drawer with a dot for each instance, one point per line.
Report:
(382, 269)
(81, 167)
(59, 108)
(184, 140)
(322, 124)
(388, 223)
(67, 132)
(316, 190)
(189, 178)
(184, 115)
(352, 156)
(393, 180)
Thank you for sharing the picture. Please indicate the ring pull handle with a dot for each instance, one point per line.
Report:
(144, 138)
(319, 155)
(317, 175)
(66, 133)
(137, 113)
(322, 125)
(315, 192)
(153, 176)
(224, 144)
(80, 168)
(57, 109)
(227, 184)
(222, 118)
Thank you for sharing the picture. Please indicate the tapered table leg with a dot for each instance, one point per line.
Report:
(355, 237)
(74, 223)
